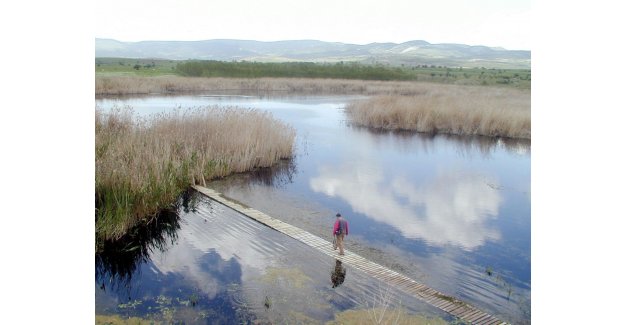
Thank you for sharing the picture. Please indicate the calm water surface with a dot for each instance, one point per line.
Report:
(451, 212)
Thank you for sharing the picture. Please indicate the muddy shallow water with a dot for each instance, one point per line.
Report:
(451, 212)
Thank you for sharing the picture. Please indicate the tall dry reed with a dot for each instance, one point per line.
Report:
(127, 85)
(143, 164)
(462, 110)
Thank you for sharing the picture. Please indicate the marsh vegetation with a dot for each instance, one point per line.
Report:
(169, 84)
(449, 109)
(420, 98)
(143, 164)
(132, 85)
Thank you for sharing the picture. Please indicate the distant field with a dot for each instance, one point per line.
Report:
(135, 67)
(516, 78)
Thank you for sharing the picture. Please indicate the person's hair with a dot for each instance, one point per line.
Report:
(338, 214)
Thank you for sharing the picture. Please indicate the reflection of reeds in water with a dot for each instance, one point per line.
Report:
(409, 141)
(142, 165)
(451, 110)
(280, 174)
(117, 260)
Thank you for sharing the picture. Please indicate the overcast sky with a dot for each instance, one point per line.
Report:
(474, 22)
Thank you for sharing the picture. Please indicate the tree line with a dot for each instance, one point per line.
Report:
(246, 69)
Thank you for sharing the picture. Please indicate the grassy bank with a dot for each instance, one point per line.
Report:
(452, 109)
(142, 165)
(512, 78)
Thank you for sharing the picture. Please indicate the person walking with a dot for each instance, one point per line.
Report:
(341, 229)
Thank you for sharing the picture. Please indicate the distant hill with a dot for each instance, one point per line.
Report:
(410, 53)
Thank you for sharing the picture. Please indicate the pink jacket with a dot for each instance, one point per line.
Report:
(336, 226)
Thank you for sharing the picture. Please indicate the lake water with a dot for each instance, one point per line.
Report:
(451, 212)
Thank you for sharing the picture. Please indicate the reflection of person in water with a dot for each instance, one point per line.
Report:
(338, 274)
(340, 231)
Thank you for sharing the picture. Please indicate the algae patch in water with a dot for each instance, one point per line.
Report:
(131, 305)
(289, 296)
(118, 320)
(383, 316)
(290, 278)
(301, 319)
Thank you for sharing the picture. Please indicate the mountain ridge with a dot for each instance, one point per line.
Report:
(410, 53)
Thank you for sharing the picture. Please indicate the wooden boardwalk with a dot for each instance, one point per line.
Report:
(437, 299)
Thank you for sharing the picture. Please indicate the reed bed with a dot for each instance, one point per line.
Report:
(462, 110)
(131, 85)
(143, 164)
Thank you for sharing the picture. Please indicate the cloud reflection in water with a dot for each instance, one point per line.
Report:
(233, 240)
(454, 208)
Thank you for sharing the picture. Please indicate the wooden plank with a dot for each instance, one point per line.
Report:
(486, 321)
(472, 316)
(449, 308)
(446, 305)
(460, 311)
(493, 321)
(483, 318)
(440, 303)
(465, 313)
(430, 299)
(418, 286)
(403, 281)
(454, 309)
